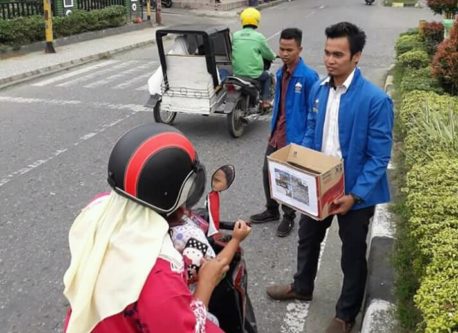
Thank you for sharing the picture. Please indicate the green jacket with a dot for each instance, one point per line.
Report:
(249, 48)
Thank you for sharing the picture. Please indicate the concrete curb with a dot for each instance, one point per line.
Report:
(379, 308)
(234, 12)
(379, 316)
(40, 46)
(12, 80)
(396, 4)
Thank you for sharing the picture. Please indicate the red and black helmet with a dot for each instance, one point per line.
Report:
(157, 166)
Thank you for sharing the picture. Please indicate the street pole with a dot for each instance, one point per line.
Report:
(158, 12)
(148, 10)
(48, 27)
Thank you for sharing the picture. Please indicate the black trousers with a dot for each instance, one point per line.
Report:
(271, 204)
(353, 228)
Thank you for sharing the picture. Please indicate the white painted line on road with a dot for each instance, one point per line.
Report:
(74, 73)
(24, 100)
(97, 73)
(133, 81)
(278, 32)
(275, 34)
(58, 152)
(297, 312)
(61, 102)
(30, 167)
(294, 321)
(116, 76)
(381, 224)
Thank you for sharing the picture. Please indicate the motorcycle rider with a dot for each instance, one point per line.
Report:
(249, 50)
(125, 274)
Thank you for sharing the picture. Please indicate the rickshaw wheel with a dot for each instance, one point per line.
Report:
(165, 117)
(235, 124)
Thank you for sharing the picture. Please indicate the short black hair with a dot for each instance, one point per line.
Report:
(292, 33)
(356, 37)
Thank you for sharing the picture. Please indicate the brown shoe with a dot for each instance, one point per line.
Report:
(285, 292)
(340, 326)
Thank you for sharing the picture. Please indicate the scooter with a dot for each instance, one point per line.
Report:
(230, 301)
(243, 100)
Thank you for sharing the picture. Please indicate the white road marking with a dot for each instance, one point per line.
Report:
(133, 81)
(97, 73)
(116, 76)
(98, 105)
(297, 311)
(278, 32)
(58, 152)
(74, 73)
(24, 100)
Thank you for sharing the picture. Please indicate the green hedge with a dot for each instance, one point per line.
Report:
(408, 42)
(413, 59)
(419, 79)
(26, 30)
(437, 297)
(428, 130)
(427, 240)
(432, 200)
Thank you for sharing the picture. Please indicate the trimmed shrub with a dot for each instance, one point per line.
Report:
(441, 6)
(414, 59)
(437, 298)
(432, 34)
(420, 79)
(431, 133)
(445, 61)
(416, 103)
(22, 30)
(26, 30)
(408, 42)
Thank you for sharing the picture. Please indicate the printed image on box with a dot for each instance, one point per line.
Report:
(293, 187)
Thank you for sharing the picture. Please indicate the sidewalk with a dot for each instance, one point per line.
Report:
(35, 64)
(76, 50)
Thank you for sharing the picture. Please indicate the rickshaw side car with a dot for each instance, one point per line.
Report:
(192, 75)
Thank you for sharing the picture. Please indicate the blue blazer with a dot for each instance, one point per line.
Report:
(365, 135)
(297, 96)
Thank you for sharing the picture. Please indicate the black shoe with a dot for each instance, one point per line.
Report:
(265, 216)
(285, 226)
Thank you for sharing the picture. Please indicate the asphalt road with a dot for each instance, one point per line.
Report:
(56, 134)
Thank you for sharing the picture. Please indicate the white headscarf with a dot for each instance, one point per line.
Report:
(114, 244)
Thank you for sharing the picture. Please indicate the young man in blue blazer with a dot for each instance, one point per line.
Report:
(352, 119)
(289, 117)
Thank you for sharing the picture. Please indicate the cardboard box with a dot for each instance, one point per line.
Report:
(306, 180)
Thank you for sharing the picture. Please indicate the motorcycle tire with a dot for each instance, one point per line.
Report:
(369, 2)
(166, 3)
(165, 117)
(235, 125)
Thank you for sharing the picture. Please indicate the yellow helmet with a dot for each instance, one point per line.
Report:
(250, 16)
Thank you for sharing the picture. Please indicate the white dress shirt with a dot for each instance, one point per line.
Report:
(331, 143)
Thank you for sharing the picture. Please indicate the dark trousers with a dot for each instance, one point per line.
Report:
(353, 228)
(265, 81)
(271, 204)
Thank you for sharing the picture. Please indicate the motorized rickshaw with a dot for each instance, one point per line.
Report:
(195, 78)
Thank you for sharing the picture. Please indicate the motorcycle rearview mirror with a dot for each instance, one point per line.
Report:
(223, 178)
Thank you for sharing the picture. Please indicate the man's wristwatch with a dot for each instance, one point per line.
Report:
(356, 198)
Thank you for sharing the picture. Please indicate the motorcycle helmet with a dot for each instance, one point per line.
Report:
(250, 16)
(156, 166)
